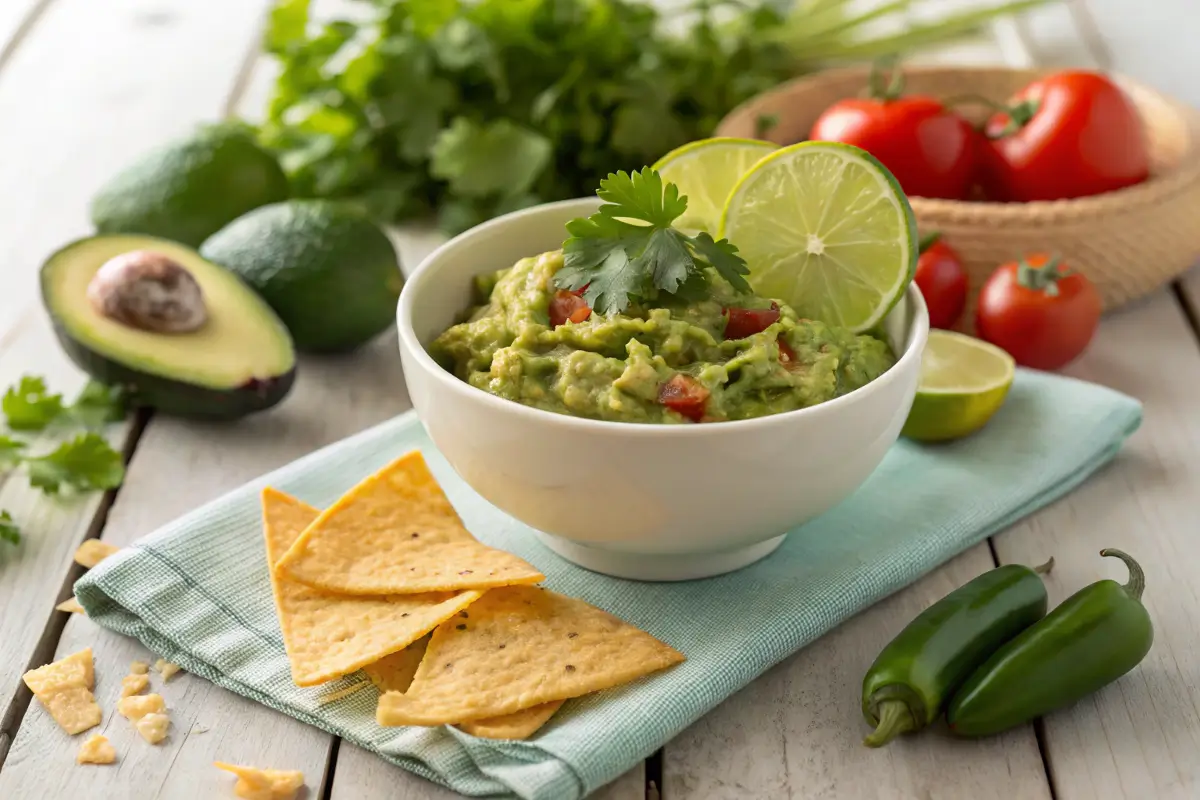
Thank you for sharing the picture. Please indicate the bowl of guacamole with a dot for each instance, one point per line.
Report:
(680, 438)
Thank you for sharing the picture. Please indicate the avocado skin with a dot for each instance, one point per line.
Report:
(328, 271)
(178, 398)
(189, 188)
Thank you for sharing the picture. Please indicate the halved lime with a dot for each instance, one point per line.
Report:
(705, 171)
(824, 227)
(963, 383)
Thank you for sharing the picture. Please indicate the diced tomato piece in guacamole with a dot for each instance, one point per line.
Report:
(744, 322)
(568, 307)
(684, 395)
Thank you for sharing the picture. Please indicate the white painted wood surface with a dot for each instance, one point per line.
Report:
(67, 123)
(154, 67)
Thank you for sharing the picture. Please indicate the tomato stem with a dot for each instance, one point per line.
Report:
(1019, 115)
(894, 87)
(1044, 569)
(928, 240)
(1044, 278)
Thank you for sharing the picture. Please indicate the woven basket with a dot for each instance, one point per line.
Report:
(1129, 242)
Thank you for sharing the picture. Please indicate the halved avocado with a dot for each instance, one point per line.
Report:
(228, 354)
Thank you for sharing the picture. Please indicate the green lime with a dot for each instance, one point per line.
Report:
(706, 171)
(963, 383)
(824, 227)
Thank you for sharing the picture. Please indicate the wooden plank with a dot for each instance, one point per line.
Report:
(797, 730)
(17, 18)
(361, 775)
(1138, 737)
(108, 105)
(179, 465)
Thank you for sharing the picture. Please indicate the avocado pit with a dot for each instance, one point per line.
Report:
(148, 291)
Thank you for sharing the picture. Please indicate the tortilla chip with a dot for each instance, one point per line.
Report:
(96, 750)
(92, 552)
(153, 726)
(520, 725)
(71, 606)
(395, 672)
(65, 689)
(134, 683)
(263, 784)
(521, 646)
(328, 636)
(396, 533)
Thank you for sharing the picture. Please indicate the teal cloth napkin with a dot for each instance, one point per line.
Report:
(197, 590)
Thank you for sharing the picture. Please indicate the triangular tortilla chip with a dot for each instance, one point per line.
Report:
(521, 646)
(396, 533)
(395, 674)
(520, 725)
(327, 636)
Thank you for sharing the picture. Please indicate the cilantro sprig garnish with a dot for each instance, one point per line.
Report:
(85, 463)
(29, 406)
(9, 532)
(627, 251)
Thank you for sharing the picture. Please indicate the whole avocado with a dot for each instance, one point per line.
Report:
(189, 188)
(326, 269)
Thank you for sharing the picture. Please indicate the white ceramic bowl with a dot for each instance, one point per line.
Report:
(641, 501)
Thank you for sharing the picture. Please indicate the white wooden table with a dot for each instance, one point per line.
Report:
(87, 84)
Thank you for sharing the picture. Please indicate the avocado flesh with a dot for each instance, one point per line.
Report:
(240, 361)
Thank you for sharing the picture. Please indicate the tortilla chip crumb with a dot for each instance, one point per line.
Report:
(64, 688)
(92, 552)
(71, 606)
(134, 684)
(340, 693)
(166, 668)
(96, 750)
(263, 784)
(153, 727)
(199, 729)
(139, 667)
(137, 706)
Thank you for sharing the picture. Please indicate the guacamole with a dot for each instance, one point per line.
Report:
(726, 356)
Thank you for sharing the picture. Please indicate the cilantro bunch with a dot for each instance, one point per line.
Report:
(472, 108)
(628, 250)
(83, 463)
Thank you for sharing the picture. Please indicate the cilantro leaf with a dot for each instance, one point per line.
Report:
(29, 406)
(628, 249)
(10, 450)
(9, 532)
(493, 158)
(723, 255)
(85, 463)
(98, 405)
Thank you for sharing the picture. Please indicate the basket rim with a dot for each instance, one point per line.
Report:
(1153, 191)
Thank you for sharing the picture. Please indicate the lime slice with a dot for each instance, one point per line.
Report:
(963, 383)
(824, 227)
(705, 171)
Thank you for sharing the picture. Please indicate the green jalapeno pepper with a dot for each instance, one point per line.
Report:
(912, 680)
(1094, 637)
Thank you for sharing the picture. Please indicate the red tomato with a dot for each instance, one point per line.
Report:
(786, 354)
(942, 281)
(685, 395)
(745, 322)
(930, 150)
(1070, 134)
(568, 307)
(1043, 314)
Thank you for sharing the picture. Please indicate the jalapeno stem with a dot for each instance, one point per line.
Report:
(1044, 569)
(1137, 578)
(894, 719)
